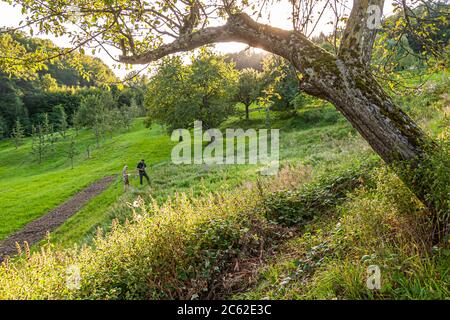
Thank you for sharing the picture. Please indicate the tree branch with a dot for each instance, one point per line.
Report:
(239, 28)
(183, 43)
(308, 58)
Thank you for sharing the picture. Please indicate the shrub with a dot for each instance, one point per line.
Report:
(380, 223)
(433, 176)
(300, 206)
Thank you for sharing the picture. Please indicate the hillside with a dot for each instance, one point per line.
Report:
(30, 189)
(224, 231)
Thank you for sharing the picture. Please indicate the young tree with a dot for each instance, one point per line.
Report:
(91, 115)
(61, 118)
(134, 110)
(134, 93)
(18, 133)
(112, 120)
(249, 88)
(39, 144)
(127, 115)
(282, 77)
(72, 151)
(77, 122)
(95, 112)
(49, 131)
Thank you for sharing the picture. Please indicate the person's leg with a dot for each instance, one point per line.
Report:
(146, 177)
(140, 177)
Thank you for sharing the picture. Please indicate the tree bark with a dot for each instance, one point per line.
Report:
(358, 96)
(352, 89)
(247, 116)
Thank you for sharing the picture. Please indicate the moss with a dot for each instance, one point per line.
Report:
(370, 88)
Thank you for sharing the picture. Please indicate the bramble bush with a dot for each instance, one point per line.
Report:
(298, 207)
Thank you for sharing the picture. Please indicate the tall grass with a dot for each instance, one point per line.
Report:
(380, 223)
(176, 250)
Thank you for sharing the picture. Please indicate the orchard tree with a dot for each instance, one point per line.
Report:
(146, 31)
(127, 114)
(77, 122)
(39, 144)
(281, 78)
(72, 151)
(134, 93)
(97, 112)
(204, 90)
(90, 115)
(249, 88)
(61, 120)
(49, 131)
(168, 97)
(212, 83)
(112, 120)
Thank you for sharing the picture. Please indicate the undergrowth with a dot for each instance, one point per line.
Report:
(178, 250)
(380, 223)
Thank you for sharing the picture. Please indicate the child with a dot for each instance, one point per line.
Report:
(126, 181)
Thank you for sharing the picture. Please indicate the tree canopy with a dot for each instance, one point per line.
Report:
(178, 94)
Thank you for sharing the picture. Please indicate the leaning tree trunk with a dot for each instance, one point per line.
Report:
(349, 85)
(357, 95)
(391, 133)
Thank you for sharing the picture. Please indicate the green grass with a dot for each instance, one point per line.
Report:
(81, 226)
(380, 223)
(341, 221)
(29, 189)
(315, 141)
(315, 136)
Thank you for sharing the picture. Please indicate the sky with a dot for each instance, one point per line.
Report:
(279, 16)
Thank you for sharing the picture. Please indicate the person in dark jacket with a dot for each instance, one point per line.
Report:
(142, 173)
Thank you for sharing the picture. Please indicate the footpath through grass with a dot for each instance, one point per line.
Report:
(28, 189)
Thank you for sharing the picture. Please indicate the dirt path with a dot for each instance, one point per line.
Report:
(37, 229)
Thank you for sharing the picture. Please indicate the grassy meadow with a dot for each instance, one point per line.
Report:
(309, 232)
(30, 189)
